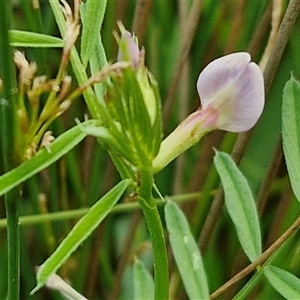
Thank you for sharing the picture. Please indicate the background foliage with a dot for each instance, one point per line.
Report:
(180, 38)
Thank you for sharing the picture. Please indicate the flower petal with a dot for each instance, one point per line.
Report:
(233, 85)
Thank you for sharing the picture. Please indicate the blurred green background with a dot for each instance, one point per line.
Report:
(180, 38)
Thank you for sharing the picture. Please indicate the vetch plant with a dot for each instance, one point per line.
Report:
(232, 98)
(125, 115)
(130, 127)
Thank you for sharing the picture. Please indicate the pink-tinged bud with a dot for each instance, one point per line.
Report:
(130, 52)
(128, 48)
(232, 89)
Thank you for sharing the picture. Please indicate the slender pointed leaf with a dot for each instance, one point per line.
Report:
(291, 132)
(143, 282)
(79, 71)
(186, 253)
(19, 38)
(240, 205)
(97, 61)
(285, 283)
(92, 17)
(44, 158)
(80, 232)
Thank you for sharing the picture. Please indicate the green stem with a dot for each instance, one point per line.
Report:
(60, 216)
(149, 207)
(7, 125)
(13, 237)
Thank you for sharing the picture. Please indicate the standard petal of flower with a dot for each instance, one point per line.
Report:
(232, 87)
(250, 98)
(217, 74)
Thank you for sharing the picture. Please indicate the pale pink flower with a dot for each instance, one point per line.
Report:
(231, 88)
(231, 91)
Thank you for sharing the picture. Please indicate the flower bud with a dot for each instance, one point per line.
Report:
(47, 139)
(128, 48)
(132, 107)
(129, 51)
(72, 25)
(133, 117)
(27, 70)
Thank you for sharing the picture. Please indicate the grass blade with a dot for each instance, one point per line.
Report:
(92, 17)
(44, 158)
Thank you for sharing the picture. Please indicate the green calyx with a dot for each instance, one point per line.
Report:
(132, 119)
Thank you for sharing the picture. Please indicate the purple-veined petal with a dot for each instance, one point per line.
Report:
(233, 88)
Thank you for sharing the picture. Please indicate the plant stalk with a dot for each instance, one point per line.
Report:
(259, 261)
(13, 239)
(149, 207)
(7, 130)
